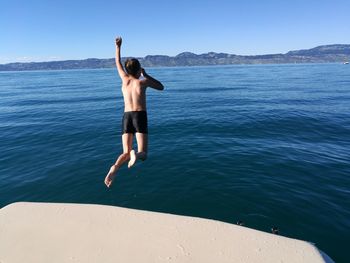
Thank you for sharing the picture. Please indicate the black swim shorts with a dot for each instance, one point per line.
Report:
(135, 121)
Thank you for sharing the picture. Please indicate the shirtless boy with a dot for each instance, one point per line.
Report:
(135, 116)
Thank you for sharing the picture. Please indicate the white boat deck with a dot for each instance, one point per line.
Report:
(47, 232)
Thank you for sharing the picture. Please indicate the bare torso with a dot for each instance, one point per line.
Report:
(134, 95)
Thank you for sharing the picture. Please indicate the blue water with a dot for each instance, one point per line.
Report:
(266, 144)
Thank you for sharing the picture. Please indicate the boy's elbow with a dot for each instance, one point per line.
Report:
(160, 86)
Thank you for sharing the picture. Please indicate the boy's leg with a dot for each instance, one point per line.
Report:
(125, 156)
(114, 168)
(142, 147)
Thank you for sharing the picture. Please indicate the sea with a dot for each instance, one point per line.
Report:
(267, 145)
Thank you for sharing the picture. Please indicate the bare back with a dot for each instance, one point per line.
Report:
(134, 94)
(134, 89)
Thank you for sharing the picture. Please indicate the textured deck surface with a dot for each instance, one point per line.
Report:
(43, 232)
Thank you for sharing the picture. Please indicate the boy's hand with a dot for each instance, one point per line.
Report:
(118, 41)
(143, 72)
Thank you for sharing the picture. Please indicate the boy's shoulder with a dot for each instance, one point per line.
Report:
(130, 80)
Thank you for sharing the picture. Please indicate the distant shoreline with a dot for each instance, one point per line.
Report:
(161, 67)
(337, 53)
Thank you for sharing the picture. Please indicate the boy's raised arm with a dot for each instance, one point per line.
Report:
(118, 43)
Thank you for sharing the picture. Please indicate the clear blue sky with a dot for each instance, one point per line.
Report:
(33, 30)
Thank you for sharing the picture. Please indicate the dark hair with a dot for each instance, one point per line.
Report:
(132, 66)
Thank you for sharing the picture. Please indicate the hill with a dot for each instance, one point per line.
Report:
(321, 54)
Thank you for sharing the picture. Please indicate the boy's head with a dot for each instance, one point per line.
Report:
(133, 67)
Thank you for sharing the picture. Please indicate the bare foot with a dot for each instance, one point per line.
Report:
(110, 176)
(132, 158)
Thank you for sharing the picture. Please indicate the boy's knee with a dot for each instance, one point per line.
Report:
(126, 154)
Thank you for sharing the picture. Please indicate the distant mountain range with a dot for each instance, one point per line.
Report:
(321, 54)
